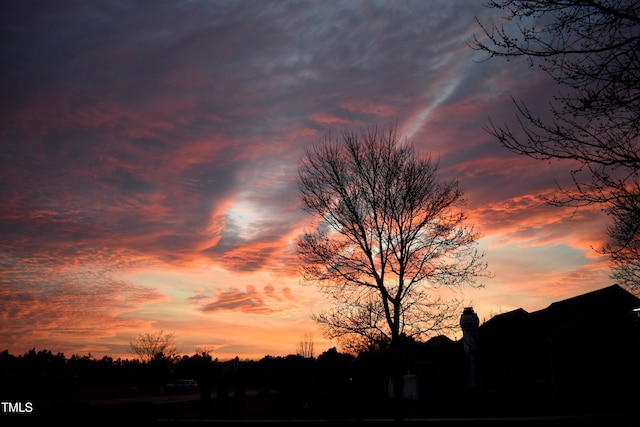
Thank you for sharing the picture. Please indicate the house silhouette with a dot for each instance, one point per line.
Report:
(580, 352)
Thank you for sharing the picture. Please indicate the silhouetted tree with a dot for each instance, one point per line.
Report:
(591, 49)
(334, 369)
(44, 364)
(388, 231)
(305, 346)
(153, 345)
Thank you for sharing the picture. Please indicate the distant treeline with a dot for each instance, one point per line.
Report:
(292, 372)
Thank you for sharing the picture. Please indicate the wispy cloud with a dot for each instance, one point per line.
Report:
(248, 301)
(47, 301)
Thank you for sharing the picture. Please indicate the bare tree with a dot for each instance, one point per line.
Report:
(591, 49)
(152, 345)
(388, 229)
(305, 346)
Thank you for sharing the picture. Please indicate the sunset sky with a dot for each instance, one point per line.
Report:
(149, 150)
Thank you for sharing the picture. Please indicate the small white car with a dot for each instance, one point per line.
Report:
(182, 385)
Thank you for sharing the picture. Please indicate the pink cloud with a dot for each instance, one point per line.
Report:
(369, 107)
(269, 301)
(328, 119)
(236, 300)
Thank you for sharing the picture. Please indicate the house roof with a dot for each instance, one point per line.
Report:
(605, 308)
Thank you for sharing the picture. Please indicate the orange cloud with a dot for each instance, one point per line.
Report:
(236, 300)
(528, 218)
(67, 304)
(249, 301)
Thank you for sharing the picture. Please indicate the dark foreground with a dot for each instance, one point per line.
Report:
(274, 409)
